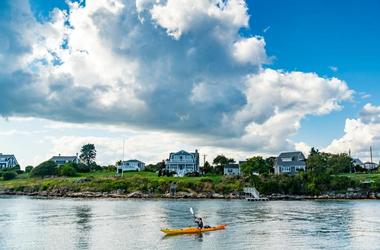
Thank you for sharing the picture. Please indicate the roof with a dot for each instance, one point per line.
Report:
(357, 161)
(134, 160)
(292, 155)
(183, 152)
(231, 165)
(1, 155)
(61, 157)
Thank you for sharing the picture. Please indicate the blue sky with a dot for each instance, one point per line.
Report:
(239, 78)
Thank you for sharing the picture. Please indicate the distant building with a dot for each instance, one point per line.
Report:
(290, 163)
(357, 163)
(370, 165)
(130, 165)
(183, 162)
(61, 159)
(7, 161)
(231, 169)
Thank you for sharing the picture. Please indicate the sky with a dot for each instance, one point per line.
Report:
(239, 78)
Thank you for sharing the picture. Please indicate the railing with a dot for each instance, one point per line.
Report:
(252, 191)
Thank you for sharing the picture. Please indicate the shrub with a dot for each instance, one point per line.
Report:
(67, 170)
(193, 174)
(44, 169)
(82, 168)
(28, 169)
(9, 176)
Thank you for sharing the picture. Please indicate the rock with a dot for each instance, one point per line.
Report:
(217, 196)
(136, 194)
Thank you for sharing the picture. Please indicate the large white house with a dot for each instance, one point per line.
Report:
(61, 159)
(290, 163)
(130, 165)
(183, 162)
(7, 161)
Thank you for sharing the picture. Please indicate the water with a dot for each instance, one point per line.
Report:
(30, 223)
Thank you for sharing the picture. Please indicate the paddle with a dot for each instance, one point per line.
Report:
(192, 211)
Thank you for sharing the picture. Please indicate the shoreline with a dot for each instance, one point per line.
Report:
(185, 195)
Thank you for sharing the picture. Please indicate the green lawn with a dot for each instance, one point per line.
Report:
(100, 176)
(363, 176)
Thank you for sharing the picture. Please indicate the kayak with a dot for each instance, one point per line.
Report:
(192, 230)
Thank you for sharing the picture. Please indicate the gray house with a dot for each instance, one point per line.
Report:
(290, 163)
(7, 161)
(60, 159)
(231, 169)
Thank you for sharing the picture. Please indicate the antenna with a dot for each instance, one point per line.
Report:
(122, 163)
(204, 159)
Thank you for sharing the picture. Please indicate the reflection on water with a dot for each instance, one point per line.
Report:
(83, 214)
(30, 223)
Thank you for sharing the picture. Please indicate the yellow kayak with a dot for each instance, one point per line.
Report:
(192, 230)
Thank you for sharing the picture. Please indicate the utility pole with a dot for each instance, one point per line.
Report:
(370, 150)
(204, 159)
(122, 163)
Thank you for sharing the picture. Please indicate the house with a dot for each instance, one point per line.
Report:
(130, 165)
(290, 163)
(7, 161)
(370, 165)
(60, 159)
(357, 162)
(183, 162)
(231, 169)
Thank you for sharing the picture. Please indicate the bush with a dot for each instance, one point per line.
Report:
(82, 168)
(9, 176)
(67, 170)
(193, 174)
(28, 169)
(44, 169)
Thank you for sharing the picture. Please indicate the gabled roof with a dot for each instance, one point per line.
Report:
(291, 155)
(65, 158)
(134, 160)
(231, 165)
(6, 156)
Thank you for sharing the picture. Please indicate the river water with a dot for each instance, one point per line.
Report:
(31, 223)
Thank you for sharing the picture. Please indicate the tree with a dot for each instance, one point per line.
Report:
(88, 154)
(220, 161)
(67, 170)
(207, 168)
(255, 164)
(44, 169)
(28, 169)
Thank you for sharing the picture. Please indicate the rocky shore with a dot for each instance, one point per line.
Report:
(120, 194)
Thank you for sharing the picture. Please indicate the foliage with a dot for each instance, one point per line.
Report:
(28, 169)
(67, 170)
(81, 168)
(155, 167)
(220, 161)
(193, 174)
(47, 168)
(255, 165)
(207, 168)
(9, 176)
(88, 154)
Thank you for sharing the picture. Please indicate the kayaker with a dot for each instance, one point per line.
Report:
(199, 222)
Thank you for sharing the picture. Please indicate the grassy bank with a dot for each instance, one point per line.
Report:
(106, 181)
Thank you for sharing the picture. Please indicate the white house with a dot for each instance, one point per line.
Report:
(370, 165)
(60, 159)
(290, 163)
(7, 161)
(130, 165)
(183, 162)
(231, 169)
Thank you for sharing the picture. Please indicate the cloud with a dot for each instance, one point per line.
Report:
(333, 68)
(360, 134)
(175, 66)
